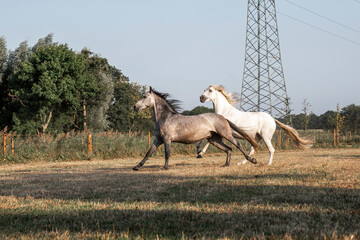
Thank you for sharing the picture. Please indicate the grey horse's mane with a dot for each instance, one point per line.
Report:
(173, 103)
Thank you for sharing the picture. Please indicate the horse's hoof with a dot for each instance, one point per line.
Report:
(166, 168)
(225, 165)
(242, 163)
(253, 160)
(136, 168)
(199, 156)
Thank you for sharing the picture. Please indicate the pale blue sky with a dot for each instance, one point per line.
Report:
(181, 47)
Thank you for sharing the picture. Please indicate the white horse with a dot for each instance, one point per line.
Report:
(258, 125)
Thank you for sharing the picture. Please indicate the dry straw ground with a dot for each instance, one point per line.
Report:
(313, 194)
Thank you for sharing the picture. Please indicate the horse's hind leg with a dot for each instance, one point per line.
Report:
(270, 148)
(202, 152)
(157, 142)
(216, 140)
(238, 145)
(251, 153)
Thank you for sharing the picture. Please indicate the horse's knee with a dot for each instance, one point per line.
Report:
(272, 151)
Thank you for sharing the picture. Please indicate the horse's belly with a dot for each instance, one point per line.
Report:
(190, 137)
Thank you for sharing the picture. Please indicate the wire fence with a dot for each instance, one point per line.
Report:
(113, 144)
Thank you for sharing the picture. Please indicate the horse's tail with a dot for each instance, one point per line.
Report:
(252, 141)
(299, 142)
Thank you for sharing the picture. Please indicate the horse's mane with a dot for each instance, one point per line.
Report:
(232, 98)
(173, 103)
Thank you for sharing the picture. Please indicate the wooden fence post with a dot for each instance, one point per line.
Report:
(314, 137)
(89, 145)
(12, 146)
(279, 138)
(4, 145)
(334, 137)
(148, 139)
(287, 140)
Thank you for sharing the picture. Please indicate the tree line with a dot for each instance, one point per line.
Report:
(345, 120)
(49, 88)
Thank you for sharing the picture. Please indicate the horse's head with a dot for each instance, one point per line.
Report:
(209, 94)
(218, 92)
(147, 101)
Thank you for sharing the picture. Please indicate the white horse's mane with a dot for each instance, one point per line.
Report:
(232, 98)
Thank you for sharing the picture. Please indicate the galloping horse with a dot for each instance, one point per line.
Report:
(258, 125)
(171, 126)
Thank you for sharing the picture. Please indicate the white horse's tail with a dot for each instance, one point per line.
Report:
(299, 142)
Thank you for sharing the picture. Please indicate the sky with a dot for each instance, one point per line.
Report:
(181, 47)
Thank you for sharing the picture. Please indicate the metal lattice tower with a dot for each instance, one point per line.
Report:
(263, 86)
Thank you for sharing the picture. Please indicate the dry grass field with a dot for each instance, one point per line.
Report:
(313, 194)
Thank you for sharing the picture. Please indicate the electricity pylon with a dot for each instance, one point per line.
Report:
(263, 85)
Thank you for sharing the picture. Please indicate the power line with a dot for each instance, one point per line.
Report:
(324, 17)
(320, 29)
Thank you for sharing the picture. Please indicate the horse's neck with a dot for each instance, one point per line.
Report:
(161, 110)
(221, 105)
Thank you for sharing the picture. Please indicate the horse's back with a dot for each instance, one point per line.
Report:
(252, 122)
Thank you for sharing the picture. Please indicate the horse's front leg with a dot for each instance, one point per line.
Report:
(202, 152)
(167, 153)
(198, 145)
(157, 142)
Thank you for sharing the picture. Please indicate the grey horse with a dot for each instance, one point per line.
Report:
(171, 126)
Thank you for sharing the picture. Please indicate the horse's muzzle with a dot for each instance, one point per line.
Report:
(202, 98)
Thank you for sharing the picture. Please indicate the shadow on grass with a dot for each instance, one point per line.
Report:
(328, 209)
(175, 224)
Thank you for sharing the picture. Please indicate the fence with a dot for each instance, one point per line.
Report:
(112, 144)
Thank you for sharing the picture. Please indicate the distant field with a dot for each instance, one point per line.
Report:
(313, 194)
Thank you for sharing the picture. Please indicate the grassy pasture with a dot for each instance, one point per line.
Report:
(313, 194)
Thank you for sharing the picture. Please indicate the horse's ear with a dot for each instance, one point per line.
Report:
(150, 89)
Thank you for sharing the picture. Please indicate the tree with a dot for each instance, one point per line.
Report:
(98, 91)
(314, 121)
(10, 64)
(97, 116)
(298, 121)
(352, 118)
(122, 117)
(305, 109)
(17, 58)
(3, 58)
(339, 121)
(327, 120)
(198, 110)
(43, 42)
(3, 84)
(45, 86)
